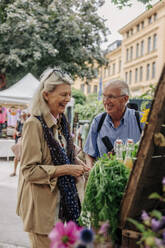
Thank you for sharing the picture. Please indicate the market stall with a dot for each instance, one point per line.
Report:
(148, 170)
(117, 192)
(15, 99)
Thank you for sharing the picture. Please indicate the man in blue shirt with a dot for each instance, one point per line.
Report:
(120, 121)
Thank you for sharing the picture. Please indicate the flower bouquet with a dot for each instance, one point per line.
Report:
(70, 235)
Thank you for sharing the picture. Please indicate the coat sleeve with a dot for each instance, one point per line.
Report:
(31, 159)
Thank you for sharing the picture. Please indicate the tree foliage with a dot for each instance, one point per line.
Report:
(79, 96)
(40, 33)
(123, 3)
(88, 111)
(37, 34)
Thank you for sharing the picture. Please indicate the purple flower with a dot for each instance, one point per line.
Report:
(86, 236)
(163, 181)
(155, 224)
(146, 218)
(104, 228)
(144, 215)
(158, 224)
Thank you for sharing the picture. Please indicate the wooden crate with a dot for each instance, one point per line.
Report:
(147, 173)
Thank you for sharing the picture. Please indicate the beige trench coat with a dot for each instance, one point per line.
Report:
(37, 189)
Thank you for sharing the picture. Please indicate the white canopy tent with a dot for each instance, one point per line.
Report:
(21, 92)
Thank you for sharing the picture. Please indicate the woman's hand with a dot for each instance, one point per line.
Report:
(86, 167)
(75, 170)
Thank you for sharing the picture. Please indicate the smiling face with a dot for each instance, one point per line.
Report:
(58, 99)
(114, 102)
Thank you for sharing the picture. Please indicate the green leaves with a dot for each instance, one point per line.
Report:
(79, 96)
(139, 225)
(123, 3)
(89, 110)
(157, 214)
(154, 196)
(104, 191)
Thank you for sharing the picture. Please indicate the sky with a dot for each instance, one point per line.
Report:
(118, 18)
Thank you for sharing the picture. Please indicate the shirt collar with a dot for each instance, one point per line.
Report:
(50, 120)
(54, 118)
(123, 120)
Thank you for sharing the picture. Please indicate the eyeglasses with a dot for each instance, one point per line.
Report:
(111, 97)
(58, 72)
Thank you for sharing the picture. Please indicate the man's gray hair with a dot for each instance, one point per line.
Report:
(122, 85)
(49, 79)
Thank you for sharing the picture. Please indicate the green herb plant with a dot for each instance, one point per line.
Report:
(104, 191)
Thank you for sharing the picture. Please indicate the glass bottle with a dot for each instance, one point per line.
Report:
(118, 147)
(128, 156)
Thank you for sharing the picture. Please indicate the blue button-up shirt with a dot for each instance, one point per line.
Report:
(128, 129)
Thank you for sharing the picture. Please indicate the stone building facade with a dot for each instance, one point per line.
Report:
(139, 58)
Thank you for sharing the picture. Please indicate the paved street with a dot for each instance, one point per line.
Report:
(11, 229)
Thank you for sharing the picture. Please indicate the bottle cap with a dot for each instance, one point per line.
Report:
(119, 141)
(130, 141)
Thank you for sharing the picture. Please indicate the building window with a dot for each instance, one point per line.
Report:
(120, 65)
(153, 69)
(126, 77)
(148, 72)
(82, 87)
(127, 34)
(95, 89)
(114, 68)
(150, 20)
(136, 75)
(131, 53)
(137, 28)
(154, 41)
(149, 44)
(127, 55)
(130, 77)
(137, 50)
(142, 48)
(155, 16)
(142, 24)
(141, 74)
(131, 31)
(89, 89)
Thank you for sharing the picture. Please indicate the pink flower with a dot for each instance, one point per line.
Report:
(64, 235)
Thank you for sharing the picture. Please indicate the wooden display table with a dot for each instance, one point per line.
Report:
(147, 173)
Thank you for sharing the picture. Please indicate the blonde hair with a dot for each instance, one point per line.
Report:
(49, 79)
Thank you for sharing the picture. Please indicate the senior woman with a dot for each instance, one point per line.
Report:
(48, 164)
